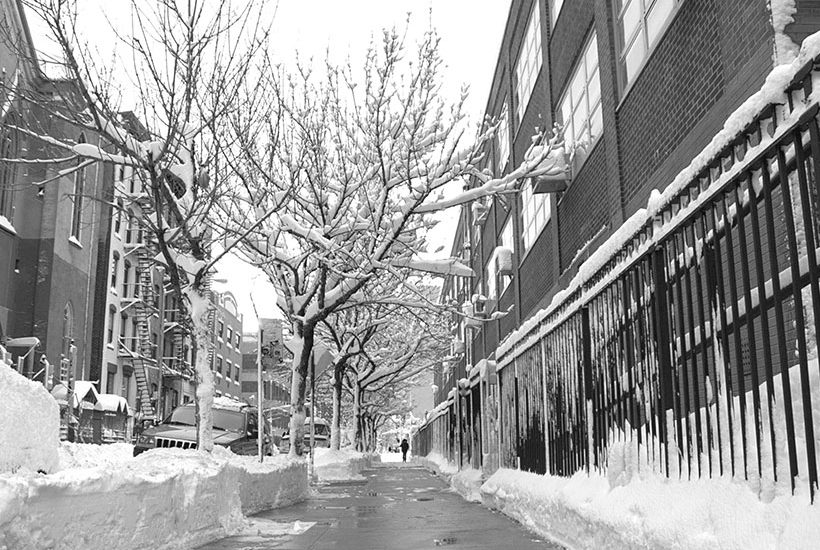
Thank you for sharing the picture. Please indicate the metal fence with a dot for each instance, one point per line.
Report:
(697, 341)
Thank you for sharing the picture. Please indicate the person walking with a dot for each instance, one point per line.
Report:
(404, 447)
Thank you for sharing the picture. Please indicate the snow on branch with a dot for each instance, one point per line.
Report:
(542, 160)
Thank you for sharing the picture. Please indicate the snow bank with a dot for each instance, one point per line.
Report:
(164, 498)
(585, 511)
(339, 465)
(29, 424)
(83, 455)
(439, 464)
(278, 481)
(467, 483)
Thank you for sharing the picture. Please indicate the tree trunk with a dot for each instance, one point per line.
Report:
(200, 308)
(357, 415)
(301, 365)
(335, 428)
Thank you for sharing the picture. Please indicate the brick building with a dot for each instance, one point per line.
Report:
(49, 234)
(641, 87)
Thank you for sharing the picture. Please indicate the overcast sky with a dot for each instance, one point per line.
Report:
(470, 32)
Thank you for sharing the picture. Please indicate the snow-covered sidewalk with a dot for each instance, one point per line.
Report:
(631, 509)
(101, 497)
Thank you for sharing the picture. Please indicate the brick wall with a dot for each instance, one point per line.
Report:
(583, 209)
(536, 274)
(709, 46)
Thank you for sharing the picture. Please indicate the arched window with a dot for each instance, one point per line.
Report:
(79, 189)
(9, 148)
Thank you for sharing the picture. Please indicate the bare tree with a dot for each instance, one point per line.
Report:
(353, 164)
(187, 62)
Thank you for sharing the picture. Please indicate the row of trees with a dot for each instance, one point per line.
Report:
(326, 182)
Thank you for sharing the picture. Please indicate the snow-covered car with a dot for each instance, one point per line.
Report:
(321, 435)
(234, 428)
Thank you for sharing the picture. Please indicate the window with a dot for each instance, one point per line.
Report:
(115, 265)
(126, 387)
(229, 339)
(79, 190)
(503, 136)
(129, 228)
(218, 364)
(126, 274)
(228, 368)
(9, 148)
(529, 62)
(641, 23)
(536, 214)
(112, 319)
(580, 105)
(109, 382)
(118, 217)
(238, 340)
(134, 333)
(123, 327)
(507, 241)
(555, 10)
(220, 329)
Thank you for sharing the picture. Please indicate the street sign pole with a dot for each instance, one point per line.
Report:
(312, 408)
(260, 393)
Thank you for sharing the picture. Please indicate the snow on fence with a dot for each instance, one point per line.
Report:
(692, 332)
(164, 499)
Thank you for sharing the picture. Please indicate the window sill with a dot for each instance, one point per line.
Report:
(73, 240)
(6, 225)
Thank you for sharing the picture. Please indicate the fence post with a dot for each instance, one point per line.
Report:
(662, 336)
(589, 423)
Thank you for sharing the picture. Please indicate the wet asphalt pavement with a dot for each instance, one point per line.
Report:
(395, 506)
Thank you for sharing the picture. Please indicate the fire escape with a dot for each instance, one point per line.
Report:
(143, 304)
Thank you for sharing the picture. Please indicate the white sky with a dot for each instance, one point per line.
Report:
(470, 31)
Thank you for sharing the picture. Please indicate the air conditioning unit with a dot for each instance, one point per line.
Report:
(503, 261)
(482, 306)
(479, 208)
(470, 320)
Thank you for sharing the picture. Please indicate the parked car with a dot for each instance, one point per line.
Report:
(234, 428)
(321, 435)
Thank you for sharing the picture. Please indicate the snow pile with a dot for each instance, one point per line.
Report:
(84, 455)
(278, 481)
(164, 498)
(439, 464)
(585, 511)
(29, 424)
(339, 465)
(467, 483)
